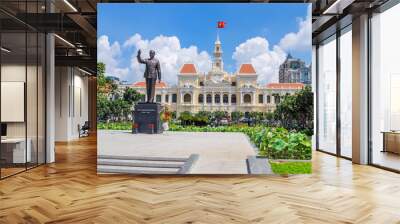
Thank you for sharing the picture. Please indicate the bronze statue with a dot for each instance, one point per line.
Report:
(152, 72)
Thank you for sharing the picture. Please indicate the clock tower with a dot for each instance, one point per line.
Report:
(217, 63)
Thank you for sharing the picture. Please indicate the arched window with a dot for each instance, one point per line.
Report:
(261, 98)
(201, 98)
(158, 98)
(277, 99)
(246, 98)
(217, 98)
(209, 98)
(187, 98)
(225, 98)
(233, 98)
(174, 97)
(167, 98)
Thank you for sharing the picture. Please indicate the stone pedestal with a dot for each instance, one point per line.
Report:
(147, 118)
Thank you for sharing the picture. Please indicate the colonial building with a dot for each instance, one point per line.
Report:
(218, 90)
(294, 71)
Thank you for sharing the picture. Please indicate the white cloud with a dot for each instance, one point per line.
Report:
(266, 61)
(170, 53)
(301, 40)
(109, 55)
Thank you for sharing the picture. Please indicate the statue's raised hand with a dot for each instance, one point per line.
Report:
(139, 52)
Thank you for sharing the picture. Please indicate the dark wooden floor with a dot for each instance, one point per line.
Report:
(70, 191)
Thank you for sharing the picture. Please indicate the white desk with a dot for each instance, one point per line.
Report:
(18, 151)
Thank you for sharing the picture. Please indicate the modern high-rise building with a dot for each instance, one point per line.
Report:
(294, 70)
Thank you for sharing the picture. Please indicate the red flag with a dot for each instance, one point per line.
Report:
(221, 24)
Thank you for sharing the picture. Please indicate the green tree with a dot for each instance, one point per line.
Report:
(295, 112)
(120, 109)
(186, 118)
(173, 114)
(111, 104)
(101, 70)
(131, 96)
(202, 118)
(219, 115)
(236, 115)
(256, 116)
(103, 107)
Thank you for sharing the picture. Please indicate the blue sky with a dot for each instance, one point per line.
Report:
(195, 25)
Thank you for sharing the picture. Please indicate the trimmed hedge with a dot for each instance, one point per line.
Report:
(127, 125)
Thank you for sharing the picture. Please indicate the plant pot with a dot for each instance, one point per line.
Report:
(165, 126)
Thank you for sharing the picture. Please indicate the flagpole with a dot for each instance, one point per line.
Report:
(217, 32)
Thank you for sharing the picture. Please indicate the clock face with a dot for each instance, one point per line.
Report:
(217, 78)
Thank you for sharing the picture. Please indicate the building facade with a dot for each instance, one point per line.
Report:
(218, 90)
(294, 71)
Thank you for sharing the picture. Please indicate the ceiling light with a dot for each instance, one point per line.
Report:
(5, 50)
(79, 51)
(70, 5)
(64, 40)
(337, 7)
(86, 72)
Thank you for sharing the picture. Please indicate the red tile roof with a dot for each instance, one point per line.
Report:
(143, 84)
(285, 85)
(247, 69)
(188, 69)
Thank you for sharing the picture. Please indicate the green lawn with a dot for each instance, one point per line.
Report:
(291, 167)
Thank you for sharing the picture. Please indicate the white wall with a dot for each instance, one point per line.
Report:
(34, 124)
(62, 82)
(71, 102)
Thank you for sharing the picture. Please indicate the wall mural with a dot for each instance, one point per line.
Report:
(204, 89)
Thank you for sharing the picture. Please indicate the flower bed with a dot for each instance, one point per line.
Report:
(274, 143)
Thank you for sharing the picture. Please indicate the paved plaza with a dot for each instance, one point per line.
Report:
(218, 153)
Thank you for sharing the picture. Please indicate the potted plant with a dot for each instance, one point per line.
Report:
(166, 116)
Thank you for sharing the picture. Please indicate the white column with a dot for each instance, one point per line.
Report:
(264, 98)
(314, 89)
(213, 99)
(229, 99)
(50, 98)
(360, 90)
